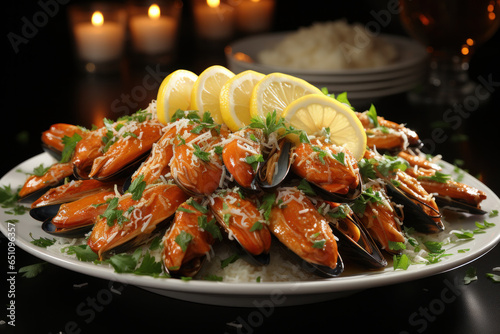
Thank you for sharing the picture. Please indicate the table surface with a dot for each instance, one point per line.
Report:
(42, 86)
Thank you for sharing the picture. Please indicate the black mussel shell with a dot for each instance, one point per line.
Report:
(313, 268)
(56, 154)
(350, 197)
(72, 232)
(284, 163)
(414, 216)
(44, 212)
(189, 269)
(364, 252)
(458, 206)
(256, 260)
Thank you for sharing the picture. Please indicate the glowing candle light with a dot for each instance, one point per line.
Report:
(154, 33)
(99, 40)
(214, 19)
(254, 15)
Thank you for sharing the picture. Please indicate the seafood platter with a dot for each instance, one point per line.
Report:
(203, 208)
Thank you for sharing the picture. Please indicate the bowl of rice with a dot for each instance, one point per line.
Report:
(336, 55)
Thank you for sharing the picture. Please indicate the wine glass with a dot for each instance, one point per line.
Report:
(451, 31)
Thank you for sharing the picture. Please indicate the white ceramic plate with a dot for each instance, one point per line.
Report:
(410, 54)
(256, 294)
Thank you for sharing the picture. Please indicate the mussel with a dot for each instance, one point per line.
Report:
(331, 170)
(243, 223)
(53, 139)
(37, 185)
(189, 238)
(276, 168)
(355, 241)
(304, 233)
(132, 221)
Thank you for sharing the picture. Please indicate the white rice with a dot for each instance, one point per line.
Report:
(330, 46)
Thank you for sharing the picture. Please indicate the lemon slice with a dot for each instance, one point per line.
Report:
(205, 95)
(174, 93)
(314, 113)
(235, 99)
(276, 91)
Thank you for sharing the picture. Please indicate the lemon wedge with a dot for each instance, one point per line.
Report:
(174, 93)
(205, 95)
(276, 91)
(235, 99)
(316, 112)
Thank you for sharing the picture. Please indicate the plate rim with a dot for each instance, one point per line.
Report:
(401, 42)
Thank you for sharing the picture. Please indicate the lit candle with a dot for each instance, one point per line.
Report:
(153, 33)
(99, 41)
(254, 15)
(214, 20)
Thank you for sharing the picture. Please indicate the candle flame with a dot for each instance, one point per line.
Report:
(213, 3)
(154, 11)
(97, 19)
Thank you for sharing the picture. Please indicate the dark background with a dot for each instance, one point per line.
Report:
(42, 85)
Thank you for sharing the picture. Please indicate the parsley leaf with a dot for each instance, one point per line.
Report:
(149, 266)
(470, 275)
(40, 170)
(267, 204)
(269, 125)
(401, 262)
(32, 270)
(253, 160)
(306, 188)
(257, 226)
(202, 155)
(227, 261)
(437, 177)
(82, 252)
(125, 263)
(210, 226)
(69, 147)
(42, 242)
(183, 239)
(112, 214)
(137, 187)
(367, 196)
(390, 164)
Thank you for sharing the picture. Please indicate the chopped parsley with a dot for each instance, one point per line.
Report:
(470, 275)
(137, 187)
(210, 226)
(42, 242)
(257, 226)
(253, 160)
(367, 196)
(183, 239)
(306, 188)
(40, 170)
(69, 147)
(83, 253)
(227, 261)
(32, 270)
(400, 262)
(125, 263)
(321, 154)
(267, 204)
(437, 177)
(149, 266)
(202, 155)
(112, 214)
(270, 124)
